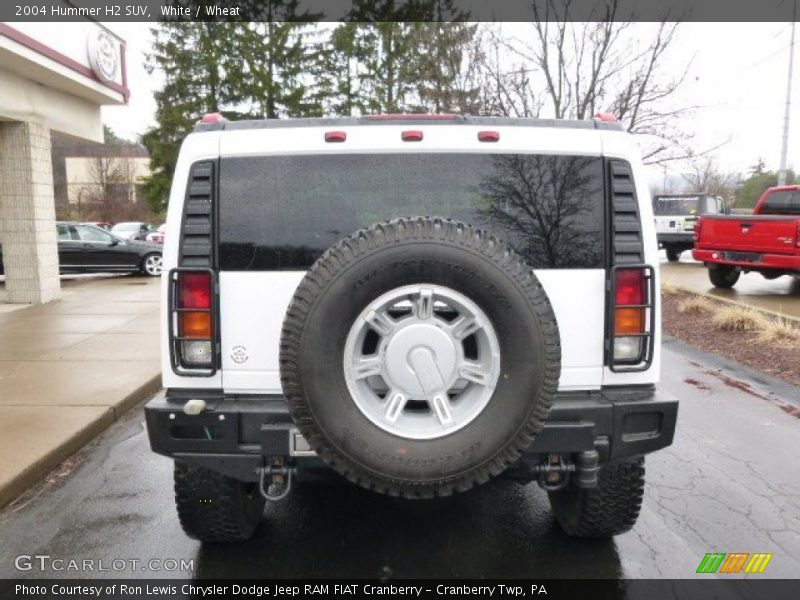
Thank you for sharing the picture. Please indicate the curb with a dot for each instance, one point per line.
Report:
(38, 471)
(766, 311)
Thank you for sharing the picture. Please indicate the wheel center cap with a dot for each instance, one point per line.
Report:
(420, 360)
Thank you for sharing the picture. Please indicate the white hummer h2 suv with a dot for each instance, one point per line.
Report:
(417, 303)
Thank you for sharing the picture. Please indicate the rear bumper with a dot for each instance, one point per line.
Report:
(783, 262)
(684, 238)
(237, 435)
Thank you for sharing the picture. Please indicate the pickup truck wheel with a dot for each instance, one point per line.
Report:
(419, 357)
(607, 510)
(673, 254)
(724, 276)
(215, 508)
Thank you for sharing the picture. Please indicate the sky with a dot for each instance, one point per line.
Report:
(737, 78)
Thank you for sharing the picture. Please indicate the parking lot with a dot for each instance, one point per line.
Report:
(780, 295)
(729, 483)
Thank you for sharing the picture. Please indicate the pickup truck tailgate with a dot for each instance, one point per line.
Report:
(756, 233)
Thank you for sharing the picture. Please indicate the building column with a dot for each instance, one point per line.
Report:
(27, 213)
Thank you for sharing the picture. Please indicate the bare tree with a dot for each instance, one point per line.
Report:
(505, 88)
(577, 69)
(705, 176)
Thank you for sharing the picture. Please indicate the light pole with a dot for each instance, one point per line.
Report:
(785, 141)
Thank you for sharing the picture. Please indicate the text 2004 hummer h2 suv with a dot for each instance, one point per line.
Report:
(417, 303)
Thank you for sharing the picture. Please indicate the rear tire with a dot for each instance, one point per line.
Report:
(329, 305)
(673, 254)
(723, 276)
(607, 510)
(215, 508)
(152, 264)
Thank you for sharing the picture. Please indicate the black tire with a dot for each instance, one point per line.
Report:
(724, 276)
(215, 508)
(607, 510)
(386, 256)
(673, 254)
(144, 268)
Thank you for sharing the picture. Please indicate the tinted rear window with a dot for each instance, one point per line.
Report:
(282, 212)
(782, 203)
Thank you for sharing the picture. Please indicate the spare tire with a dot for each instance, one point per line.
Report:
(419, 357)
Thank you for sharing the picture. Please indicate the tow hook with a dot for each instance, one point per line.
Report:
(554, 473)
(276, 480)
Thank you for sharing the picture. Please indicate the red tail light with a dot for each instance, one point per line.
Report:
(632, 313)
(630, 293)
(191, 321)
(797, 235)
(194, 290)
(696, 232)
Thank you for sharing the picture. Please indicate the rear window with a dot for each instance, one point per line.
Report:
(283, 212)
(781, 203)
(678, 206)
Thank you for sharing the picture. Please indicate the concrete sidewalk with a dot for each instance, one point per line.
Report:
(69, 368)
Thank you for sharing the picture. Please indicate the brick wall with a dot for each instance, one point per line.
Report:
(27, 213)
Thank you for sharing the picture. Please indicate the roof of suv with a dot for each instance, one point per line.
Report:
(225, 125)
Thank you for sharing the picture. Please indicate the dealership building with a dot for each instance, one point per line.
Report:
(50, 80)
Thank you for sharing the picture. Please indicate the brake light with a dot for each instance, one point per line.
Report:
(797, 236)
(194, 290)
(629, 292)
(488, 136)
(632, 304)
(411, 135)
(696, 232)
(192, 320)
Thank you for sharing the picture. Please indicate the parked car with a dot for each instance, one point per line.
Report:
(767, 242)
(132, 230)
(676, 215)
(157, 236)
(85, 248)
(105, 225)
(308, 317)
(312, 326)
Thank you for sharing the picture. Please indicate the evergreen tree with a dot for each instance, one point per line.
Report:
(200, 76)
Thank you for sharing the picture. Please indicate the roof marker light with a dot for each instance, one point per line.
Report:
(335, 136)
(411, 135)
(605, 117)
(211, 118)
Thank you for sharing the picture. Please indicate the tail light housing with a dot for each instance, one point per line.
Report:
(696, 231)
(631, 318)
(192, 321)
(797, 236)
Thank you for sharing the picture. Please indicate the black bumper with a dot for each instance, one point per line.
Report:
(236, 435)
(682, 238)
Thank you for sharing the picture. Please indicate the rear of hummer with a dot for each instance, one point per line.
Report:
(376, 297)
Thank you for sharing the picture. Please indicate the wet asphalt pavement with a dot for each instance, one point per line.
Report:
(730, 483)
(781, 295)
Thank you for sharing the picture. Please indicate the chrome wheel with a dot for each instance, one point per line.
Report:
(421, 361)
(153, 265)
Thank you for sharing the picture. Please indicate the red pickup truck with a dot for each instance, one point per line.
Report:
(768, 241)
